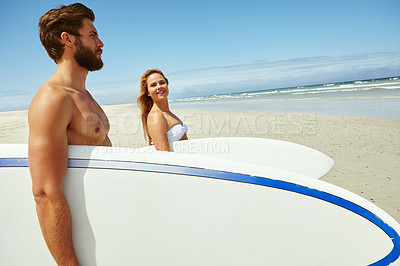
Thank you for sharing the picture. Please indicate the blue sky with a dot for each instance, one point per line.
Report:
(209, 47)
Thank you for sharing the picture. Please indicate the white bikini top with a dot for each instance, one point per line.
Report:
(176, 132)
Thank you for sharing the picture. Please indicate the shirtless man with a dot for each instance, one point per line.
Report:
(61, 113)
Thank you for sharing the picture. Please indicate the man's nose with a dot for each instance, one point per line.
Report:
(100, 43)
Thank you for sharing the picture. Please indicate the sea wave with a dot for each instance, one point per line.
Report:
(340, 89)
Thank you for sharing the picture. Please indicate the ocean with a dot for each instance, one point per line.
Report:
(374, 98)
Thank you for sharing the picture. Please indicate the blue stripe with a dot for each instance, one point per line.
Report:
(201, 172)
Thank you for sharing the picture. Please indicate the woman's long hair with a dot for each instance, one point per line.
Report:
(144, 100)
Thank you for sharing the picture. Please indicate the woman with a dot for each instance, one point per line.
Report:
(160, 125)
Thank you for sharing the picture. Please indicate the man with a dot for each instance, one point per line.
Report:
(61, 113)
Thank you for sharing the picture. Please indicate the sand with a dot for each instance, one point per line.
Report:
(366, 150)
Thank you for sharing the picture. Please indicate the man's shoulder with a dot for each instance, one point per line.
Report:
(51, 98)
(53, 91)
(50, 94)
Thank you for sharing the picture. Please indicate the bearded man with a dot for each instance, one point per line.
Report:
(61, 113)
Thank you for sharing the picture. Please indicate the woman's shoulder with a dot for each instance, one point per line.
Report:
(155, 113)
(155, 117)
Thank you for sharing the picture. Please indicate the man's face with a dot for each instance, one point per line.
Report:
(86, 58)
(88, 53)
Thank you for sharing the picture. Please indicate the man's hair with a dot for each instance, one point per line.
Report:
(56, 21)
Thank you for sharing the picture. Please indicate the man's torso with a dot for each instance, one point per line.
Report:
(89, 124)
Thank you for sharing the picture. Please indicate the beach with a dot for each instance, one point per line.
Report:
(366, 150)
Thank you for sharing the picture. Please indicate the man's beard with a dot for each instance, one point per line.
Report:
(86, 58)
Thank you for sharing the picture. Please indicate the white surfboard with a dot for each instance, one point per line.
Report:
(160, 208)
(265, 152)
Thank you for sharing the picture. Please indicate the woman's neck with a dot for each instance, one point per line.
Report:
(163, 106)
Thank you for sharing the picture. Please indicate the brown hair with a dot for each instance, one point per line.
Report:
(144, 101)
(56, 21)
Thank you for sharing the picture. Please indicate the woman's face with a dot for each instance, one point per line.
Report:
(157, 87)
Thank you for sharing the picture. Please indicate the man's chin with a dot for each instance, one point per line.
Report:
(96, 67)
(89, 60)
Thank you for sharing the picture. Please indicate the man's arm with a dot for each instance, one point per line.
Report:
(49, 115)
(107, 142)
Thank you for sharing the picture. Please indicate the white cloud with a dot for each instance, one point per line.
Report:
(294, 72)
(238, 78)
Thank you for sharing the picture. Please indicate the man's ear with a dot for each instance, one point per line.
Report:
(67, 39)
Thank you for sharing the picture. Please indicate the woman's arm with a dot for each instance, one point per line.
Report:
(158, 126)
